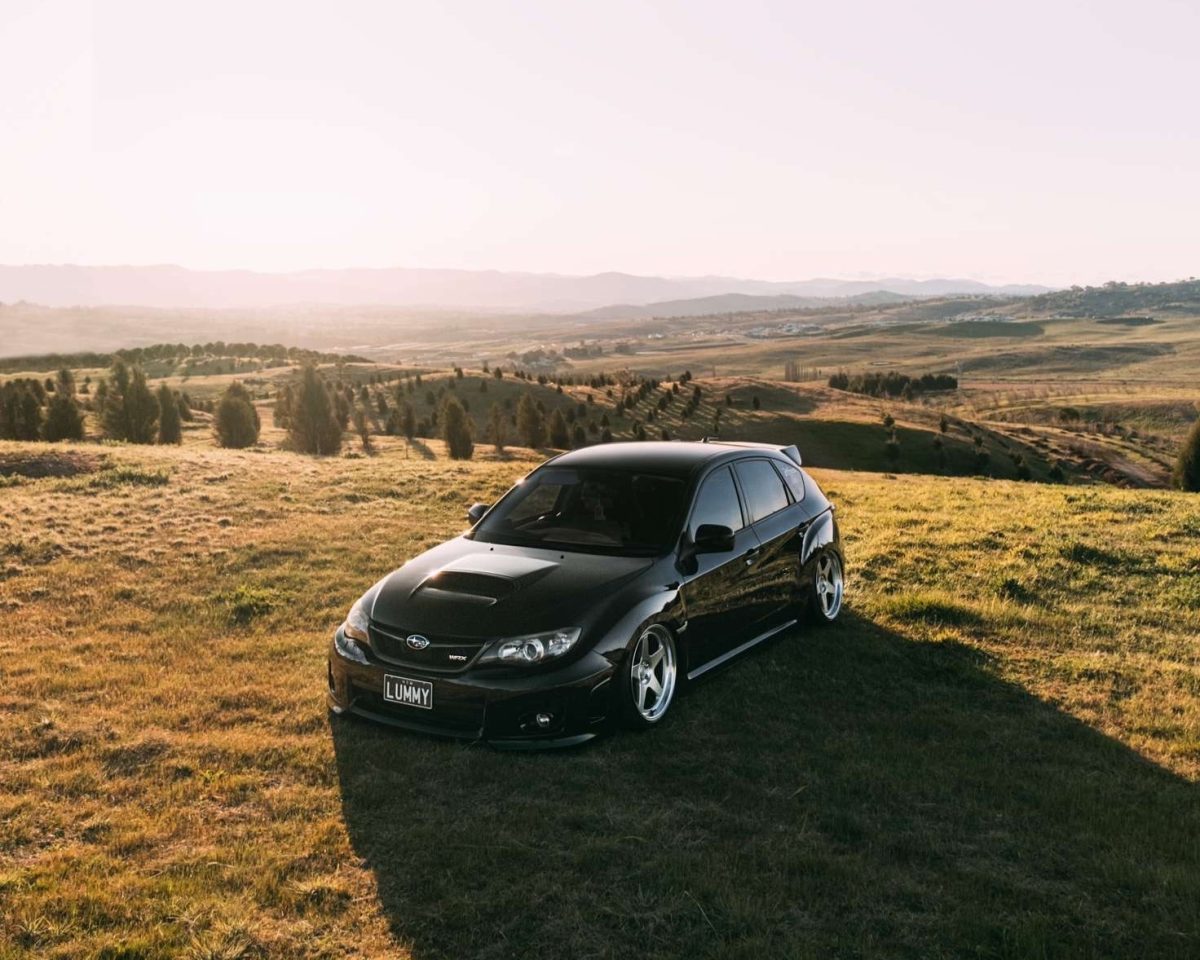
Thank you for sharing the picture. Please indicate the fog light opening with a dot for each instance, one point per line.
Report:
(544, 720)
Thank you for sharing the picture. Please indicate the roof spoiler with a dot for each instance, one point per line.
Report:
(790, 451)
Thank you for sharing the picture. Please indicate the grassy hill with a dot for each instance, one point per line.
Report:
(995, 754)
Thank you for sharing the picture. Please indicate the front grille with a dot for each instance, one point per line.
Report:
(454, 713)
(442, 655)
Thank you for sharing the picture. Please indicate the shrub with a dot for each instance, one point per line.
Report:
(1187, 468)
(456, 429)
(236, 422)
(313, 424)
(170, 430)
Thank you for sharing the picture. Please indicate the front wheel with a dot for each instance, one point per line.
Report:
(649, 677)
(828, 585)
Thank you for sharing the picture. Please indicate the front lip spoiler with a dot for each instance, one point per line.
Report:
(523, 744)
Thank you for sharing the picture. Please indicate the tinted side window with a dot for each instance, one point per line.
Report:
(793, 478)
(717, 502)
(762, 487)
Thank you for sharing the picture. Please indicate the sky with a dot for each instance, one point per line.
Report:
(1043, 142)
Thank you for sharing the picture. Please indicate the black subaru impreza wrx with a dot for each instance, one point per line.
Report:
(590, 592)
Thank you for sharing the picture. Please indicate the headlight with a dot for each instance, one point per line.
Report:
(355, 626)
(537, 646)
(348, 648)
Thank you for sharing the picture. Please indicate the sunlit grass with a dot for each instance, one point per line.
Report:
(996, 754)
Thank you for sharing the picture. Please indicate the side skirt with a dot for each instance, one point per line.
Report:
(730, 654)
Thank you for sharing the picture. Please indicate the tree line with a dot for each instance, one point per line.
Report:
(175, 352)
(892, 384)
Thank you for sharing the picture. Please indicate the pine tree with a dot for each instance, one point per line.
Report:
(362, 426)
(408, 421)
(456, 429)
(560, 437)
(530, 423)
(1187, 468)
(283, 407)
(169, 428)
(497, 426)
(130, 410)
(20, 412)
(64, 421)
(236, 423)
(313, 425)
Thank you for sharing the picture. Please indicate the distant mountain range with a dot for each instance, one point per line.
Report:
(487, 290)
(737, 303)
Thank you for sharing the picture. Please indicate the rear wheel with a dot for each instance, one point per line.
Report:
(828, 586)
(649, 678)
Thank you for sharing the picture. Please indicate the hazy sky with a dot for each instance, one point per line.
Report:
(1041, 141)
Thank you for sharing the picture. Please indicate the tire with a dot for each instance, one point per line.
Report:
(827, 587)
(649, 678)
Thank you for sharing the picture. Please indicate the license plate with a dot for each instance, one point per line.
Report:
(411, 693)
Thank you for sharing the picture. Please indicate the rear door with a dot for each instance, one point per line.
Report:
(715, 591)
(777, 519)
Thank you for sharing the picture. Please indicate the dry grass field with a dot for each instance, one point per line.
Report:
(995, 754)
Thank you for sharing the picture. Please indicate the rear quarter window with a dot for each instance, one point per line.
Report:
(793, 478)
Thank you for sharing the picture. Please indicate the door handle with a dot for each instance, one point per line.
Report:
(750, 556)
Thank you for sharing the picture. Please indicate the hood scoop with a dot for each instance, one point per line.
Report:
(483, 578)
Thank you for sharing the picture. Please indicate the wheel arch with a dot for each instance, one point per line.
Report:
(821, 533)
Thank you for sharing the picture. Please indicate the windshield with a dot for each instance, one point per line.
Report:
(594, 511)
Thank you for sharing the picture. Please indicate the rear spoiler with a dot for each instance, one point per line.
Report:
(790, 451)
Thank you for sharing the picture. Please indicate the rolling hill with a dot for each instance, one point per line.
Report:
(994, 754)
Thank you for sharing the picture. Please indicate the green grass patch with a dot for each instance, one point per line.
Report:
(244, 604)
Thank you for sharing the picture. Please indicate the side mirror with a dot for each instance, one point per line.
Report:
(713, 538)
(476, 511)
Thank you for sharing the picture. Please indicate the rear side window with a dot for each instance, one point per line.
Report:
(764, 490)
(717, 502)
(793, 478)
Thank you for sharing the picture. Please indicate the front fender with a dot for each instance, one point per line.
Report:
(663, 606)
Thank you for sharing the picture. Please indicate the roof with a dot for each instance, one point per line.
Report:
(679, 457)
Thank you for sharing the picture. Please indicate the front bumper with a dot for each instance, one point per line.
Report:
(498, 706)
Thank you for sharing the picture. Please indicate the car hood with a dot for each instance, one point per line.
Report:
(465, 588)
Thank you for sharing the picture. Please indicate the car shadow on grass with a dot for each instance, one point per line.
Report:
(839, 792)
